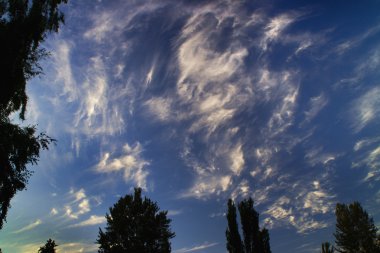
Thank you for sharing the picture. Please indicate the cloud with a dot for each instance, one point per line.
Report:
(298, 211)
(160, 108)
(103, 25)
(75, 247)
(129, 162)
(275, 27)
(174, 212)
(93, 220)
(365, 109)
(53, 212)
(316, 104)
(78, 205)
(28, 227)
(196, 248)
(237, 159)
(209, 184)
(64, 75)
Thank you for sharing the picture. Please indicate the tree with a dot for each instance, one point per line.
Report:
(49, 247)
(355, 230)
(265, 240)
(136, 225)
(24, 25)
(327, 248)
(255, 240)
(234, 243)
(250, 225)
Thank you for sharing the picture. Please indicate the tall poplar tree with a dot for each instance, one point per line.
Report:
(234, 243)
(255, 240)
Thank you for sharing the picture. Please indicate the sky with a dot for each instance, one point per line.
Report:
(198, 102)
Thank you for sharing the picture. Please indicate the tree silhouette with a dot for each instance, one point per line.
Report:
(355, 230)
(250, 225)
(327, 248)
(264, 239)
(24, 25)
(49, 247)
(255, 240)
(234, 243)
(136, 225)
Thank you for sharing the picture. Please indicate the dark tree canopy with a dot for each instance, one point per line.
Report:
(355, 230)
(250, 225)
(24, 25)
(234, 243)
(255, 240)
(49, 247)
(136, 225)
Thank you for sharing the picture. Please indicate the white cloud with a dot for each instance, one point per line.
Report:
(160, 108)
(77, 247)
(174, 212)
(237, 159)
(79, 204)
(129, 162)
(53, 212)
(196, 248)
(274, 29)
(316, 104)
(104, 24)
(207, 185)
(62, 60)
(365, 143)
(93, 220)
(28, 227)
(366, 109)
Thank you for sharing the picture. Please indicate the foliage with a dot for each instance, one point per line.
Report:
(355, 230)
(255, 240)
(327, 248)
(49, 247)
(136, 225)
(234, 243)
(24, 25)
(250, 225)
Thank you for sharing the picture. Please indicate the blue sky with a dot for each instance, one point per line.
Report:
(198, 102)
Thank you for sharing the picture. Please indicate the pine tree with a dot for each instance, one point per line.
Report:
(136, 225)
(355, 231)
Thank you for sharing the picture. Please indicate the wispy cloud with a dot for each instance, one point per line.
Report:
(78, 204)
(74, 247)
(196, 248)
(93, 220)
(316, 104)
(275, 27)
(129, 162)
(366, 109)
(28, 227)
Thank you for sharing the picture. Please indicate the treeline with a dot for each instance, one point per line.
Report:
(136, 224)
